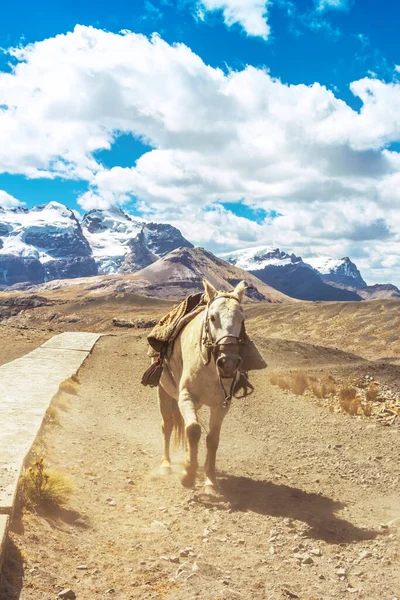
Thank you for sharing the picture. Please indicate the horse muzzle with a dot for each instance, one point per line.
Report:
(228, 365)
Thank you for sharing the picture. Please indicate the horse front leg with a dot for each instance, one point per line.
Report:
(217, 415)
(193, 433)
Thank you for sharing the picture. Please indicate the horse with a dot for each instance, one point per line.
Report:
(202, 370)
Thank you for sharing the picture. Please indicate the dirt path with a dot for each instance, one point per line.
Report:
(307, 498)
(14, 342)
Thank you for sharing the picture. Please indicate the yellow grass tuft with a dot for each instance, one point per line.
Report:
(42, 489)
(51, 417)
(70, 386)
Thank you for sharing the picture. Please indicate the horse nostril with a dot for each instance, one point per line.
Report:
(221, 362)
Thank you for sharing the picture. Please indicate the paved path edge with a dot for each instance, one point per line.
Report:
(6, 512)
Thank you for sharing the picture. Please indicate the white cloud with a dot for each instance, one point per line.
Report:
(251, 15)
(216, 137)
(332, 4)
(6, 200)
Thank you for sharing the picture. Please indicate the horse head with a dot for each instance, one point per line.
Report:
(223, 327)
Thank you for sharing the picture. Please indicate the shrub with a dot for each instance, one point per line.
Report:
(39, 488)
(299, 383)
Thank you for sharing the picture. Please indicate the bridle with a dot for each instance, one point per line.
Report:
(215, 347)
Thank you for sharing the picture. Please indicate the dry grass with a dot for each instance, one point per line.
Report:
(372, 392)
(61, 401)
(299, 383)
(51, 417)
(347, 393)
(352, 396)
(70, 386)
(42, 489)
(350, 405)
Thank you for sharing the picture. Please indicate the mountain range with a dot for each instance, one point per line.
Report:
(49, 242)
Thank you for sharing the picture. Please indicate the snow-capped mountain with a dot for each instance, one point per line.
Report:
(43, 243)
(337, 270)
(295, 277)
(121, 242)
(252, 259)
(109, 233)
(48, 242)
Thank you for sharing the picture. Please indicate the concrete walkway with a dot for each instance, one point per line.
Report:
(27, 386)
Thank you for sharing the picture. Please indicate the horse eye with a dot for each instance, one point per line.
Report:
(212, 318)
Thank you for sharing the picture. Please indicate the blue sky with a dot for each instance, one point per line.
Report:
(310, 49)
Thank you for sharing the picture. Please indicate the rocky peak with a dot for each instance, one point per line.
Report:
(162, 238)
(99, 220)
(253, 259)
(337, 270)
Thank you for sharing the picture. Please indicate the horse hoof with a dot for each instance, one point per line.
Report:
(188, 479)
(211, 488)
(165, 469)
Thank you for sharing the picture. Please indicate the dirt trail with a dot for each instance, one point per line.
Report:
(307, 496)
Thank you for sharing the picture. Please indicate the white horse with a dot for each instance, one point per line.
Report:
(202, 370)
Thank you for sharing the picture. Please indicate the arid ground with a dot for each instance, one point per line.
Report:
(310, 496)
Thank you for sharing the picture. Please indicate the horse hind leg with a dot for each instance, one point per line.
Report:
(167, 413)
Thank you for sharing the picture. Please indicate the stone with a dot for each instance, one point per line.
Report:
(67, 594)
(122, 323)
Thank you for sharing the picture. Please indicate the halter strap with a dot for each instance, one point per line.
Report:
(213, 347)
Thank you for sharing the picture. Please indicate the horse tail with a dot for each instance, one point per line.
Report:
(178, 426)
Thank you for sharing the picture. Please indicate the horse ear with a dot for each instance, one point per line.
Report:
(240, 290)
(210, 290)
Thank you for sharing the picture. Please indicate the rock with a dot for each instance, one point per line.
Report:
(304, 559)
(186, 552)
(145, 323)
(364, 554)
(341, 572)
(174, 559)
(17, 269)
(112, 503)
(67, 594)
(122, 323)
(70, 267)
(82, 567)
(316, 552)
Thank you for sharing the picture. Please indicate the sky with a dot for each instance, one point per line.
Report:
(241, 122)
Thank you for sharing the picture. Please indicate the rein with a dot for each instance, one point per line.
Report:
(213, 348)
